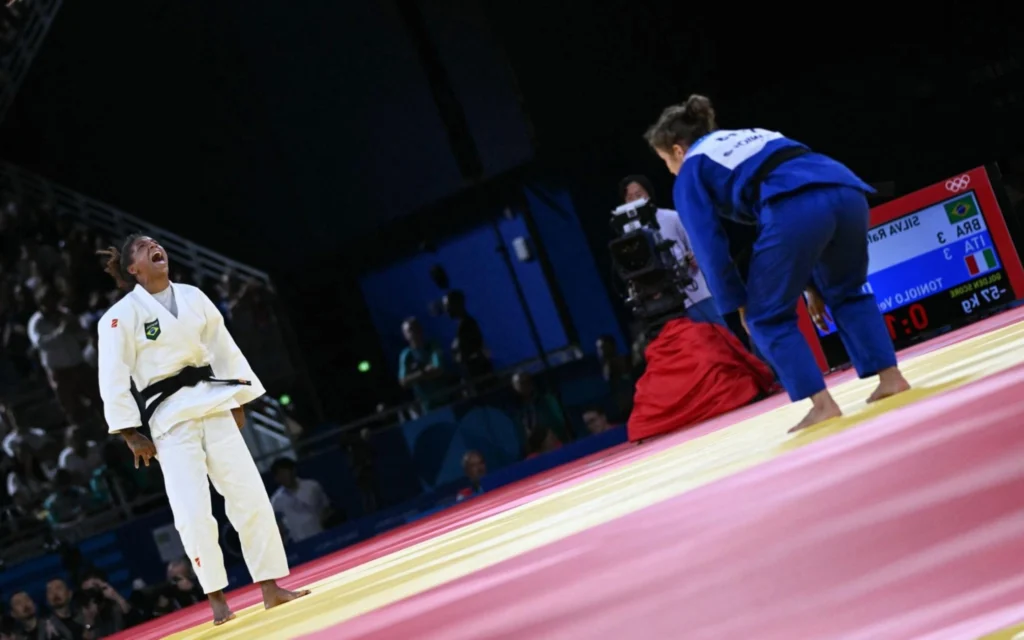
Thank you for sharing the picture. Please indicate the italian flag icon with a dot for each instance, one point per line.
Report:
(981, 261)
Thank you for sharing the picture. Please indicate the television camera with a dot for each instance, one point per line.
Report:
(656, 277)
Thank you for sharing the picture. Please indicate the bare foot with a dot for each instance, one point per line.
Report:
(221, 611)
(824, 408)
(890, 382)
(274, 595)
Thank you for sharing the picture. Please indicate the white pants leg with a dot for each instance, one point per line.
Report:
(235, 476)
(182, 459)
(213, 448)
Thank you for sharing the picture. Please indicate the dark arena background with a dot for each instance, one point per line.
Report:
(402, 208)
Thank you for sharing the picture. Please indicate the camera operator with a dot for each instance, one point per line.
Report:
(696, 365)
(700, 306)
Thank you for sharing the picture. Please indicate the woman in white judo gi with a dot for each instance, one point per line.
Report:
(167, 363)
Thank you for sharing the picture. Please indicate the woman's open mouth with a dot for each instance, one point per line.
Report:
(158, 257)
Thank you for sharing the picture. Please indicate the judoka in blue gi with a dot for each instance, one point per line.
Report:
(812, 219)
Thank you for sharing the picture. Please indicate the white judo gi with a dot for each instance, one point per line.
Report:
(193, 430)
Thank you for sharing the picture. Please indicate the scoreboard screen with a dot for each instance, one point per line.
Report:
(939, 257)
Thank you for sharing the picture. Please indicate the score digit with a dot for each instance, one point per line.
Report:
(941, 238)
(918, 317)
(946, 254)
(890, 324)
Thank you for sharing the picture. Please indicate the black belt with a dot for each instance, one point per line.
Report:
(771, 164)
(187, 377)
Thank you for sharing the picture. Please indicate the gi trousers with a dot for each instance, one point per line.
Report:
(196, 453)
(819, 233)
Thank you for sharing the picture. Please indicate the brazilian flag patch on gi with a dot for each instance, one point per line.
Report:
(152, 329)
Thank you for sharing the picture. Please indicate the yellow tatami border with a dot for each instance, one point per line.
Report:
(613, 494)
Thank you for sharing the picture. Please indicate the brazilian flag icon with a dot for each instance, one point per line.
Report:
(961, 209)
(152, 329)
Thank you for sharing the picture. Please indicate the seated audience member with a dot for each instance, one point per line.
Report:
(184, 588)
(63, 615)
(618, 373)
(541, 441)
(80, 456)
(540, 416)
(105, 609)
(68, 503)
(26, 482)
(420, 367)
(59, 338)
(30, 626)
(700, 306)
(19, 434)
(302, 504)
(695, 371)
(468, 348)
(596, 420)
(475, 468)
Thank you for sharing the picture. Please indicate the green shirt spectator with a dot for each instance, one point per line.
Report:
(420, 368)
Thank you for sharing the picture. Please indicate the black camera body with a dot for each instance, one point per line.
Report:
(656, 280)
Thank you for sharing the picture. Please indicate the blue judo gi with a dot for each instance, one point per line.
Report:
(812, 219)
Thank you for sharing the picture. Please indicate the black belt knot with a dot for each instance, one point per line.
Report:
(160, 391)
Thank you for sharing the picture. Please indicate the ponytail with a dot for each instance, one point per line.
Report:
(117, 262)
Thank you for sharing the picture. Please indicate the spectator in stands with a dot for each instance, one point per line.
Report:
(301, 503)
(475, 468)
(106, 609)
(468, 348)
(58, 596)
(23, 610)
(184, 588)
(19, 435)
(618, 373)
(26, 482)
(596, 420)
(81, 456)
(420, 367)
(540, 416)
(59, 338)
(68, 503)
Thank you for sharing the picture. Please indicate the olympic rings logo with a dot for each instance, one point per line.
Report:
(958, 184)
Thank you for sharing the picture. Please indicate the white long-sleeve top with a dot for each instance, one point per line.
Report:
(671, 228)
(141, 340)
